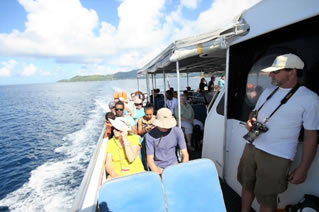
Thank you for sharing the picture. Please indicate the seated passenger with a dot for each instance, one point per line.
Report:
(140, 95)
(187, 117)
(108, 126)
(122, 151)
(162, 142)
(145, 123)
(112, 106)
(171, 101)
(119, 108)
(139, 110)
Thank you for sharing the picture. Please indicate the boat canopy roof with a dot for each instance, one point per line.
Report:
(201, 53)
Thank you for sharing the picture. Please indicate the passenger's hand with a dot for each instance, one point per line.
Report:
(249, 123)
(124, 134)
(160, 170)
(297, 176)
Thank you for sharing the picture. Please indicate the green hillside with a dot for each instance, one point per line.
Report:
(116, 76)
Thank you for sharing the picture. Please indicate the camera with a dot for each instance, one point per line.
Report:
(255, 131)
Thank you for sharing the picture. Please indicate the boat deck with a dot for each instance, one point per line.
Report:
(232, 199)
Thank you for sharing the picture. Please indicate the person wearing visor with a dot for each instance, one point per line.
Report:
(122, 150)
(273, 130)
(139, 110)
(162, 141)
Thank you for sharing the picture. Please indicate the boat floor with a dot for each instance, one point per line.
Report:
(231, 198)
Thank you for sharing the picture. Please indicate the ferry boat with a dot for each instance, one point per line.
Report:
(241, 50)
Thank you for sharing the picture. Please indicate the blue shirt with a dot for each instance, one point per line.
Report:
(163, 145)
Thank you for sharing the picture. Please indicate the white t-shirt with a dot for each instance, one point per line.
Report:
(302, 109)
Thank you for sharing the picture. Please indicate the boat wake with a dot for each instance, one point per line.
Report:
(53, 185)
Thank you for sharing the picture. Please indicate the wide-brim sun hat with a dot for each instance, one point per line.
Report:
(121, 123)
(164, 119)
(286, 61)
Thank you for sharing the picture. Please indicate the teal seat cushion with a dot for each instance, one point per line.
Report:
(193, 186)
(134, 193)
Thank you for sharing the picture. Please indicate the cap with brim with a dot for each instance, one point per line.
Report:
(286, 61)
(121, 123)
(164, 119)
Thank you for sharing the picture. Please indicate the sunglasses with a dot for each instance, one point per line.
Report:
(137, 104)
(119, 109)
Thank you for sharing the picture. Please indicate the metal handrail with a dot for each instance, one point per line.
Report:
(78, 202)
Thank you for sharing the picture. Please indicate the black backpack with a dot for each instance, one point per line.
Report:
(197, 136)
(308, 202)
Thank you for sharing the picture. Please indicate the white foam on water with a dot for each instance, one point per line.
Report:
(51, 186)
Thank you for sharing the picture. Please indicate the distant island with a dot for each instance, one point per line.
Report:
(126, 75)
(116, 76)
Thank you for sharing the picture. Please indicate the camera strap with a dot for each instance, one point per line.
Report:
(283, 101)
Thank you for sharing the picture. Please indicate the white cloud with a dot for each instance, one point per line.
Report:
(45, 73)
(69, 33)
(222, 12)
(29, 70)
(190, 3)
(7, 68)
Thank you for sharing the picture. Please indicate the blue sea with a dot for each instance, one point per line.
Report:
(48, 134)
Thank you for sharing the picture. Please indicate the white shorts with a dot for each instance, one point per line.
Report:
(187, 126)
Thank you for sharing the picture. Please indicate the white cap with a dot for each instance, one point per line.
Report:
(285, 61)
(121, 124)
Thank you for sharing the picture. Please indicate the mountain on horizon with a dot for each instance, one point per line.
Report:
(96, 77)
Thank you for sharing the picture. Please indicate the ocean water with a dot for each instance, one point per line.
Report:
(48, 134)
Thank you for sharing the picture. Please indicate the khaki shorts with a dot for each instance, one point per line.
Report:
(266, 181)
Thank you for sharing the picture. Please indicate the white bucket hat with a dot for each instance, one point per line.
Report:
(121, 123)
(285, 61)
(164, 119)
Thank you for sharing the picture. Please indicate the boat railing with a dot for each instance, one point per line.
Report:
(86, 198)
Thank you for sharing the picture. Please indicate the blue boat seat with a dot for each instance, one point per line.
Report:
(193, 186)
(137, 192)
(200, 112)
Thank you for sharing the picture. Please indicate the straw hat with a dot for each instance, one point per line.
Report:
(164, 119)
(121, 123)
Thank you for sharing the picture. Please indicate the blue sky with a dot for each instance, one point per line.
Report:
(42, 41)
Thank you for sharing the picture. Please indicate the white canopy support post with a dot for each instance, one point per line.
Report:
(138, 83)
(225, 111)
(148, 87)
(153, 96)
(164, 78)
(155, 80)
(187, 79)
(178, 95)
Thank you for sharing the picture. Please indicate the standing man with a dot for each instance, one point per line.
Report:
(162, 141)
(221, 82)
(274, 127)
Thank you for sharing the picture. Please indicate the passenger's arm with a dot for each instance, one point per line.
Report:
(140, 130)
(152, 165)
(131, 151)
(309, 151)
(108, 166)
(185, 156)
(134, 129)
